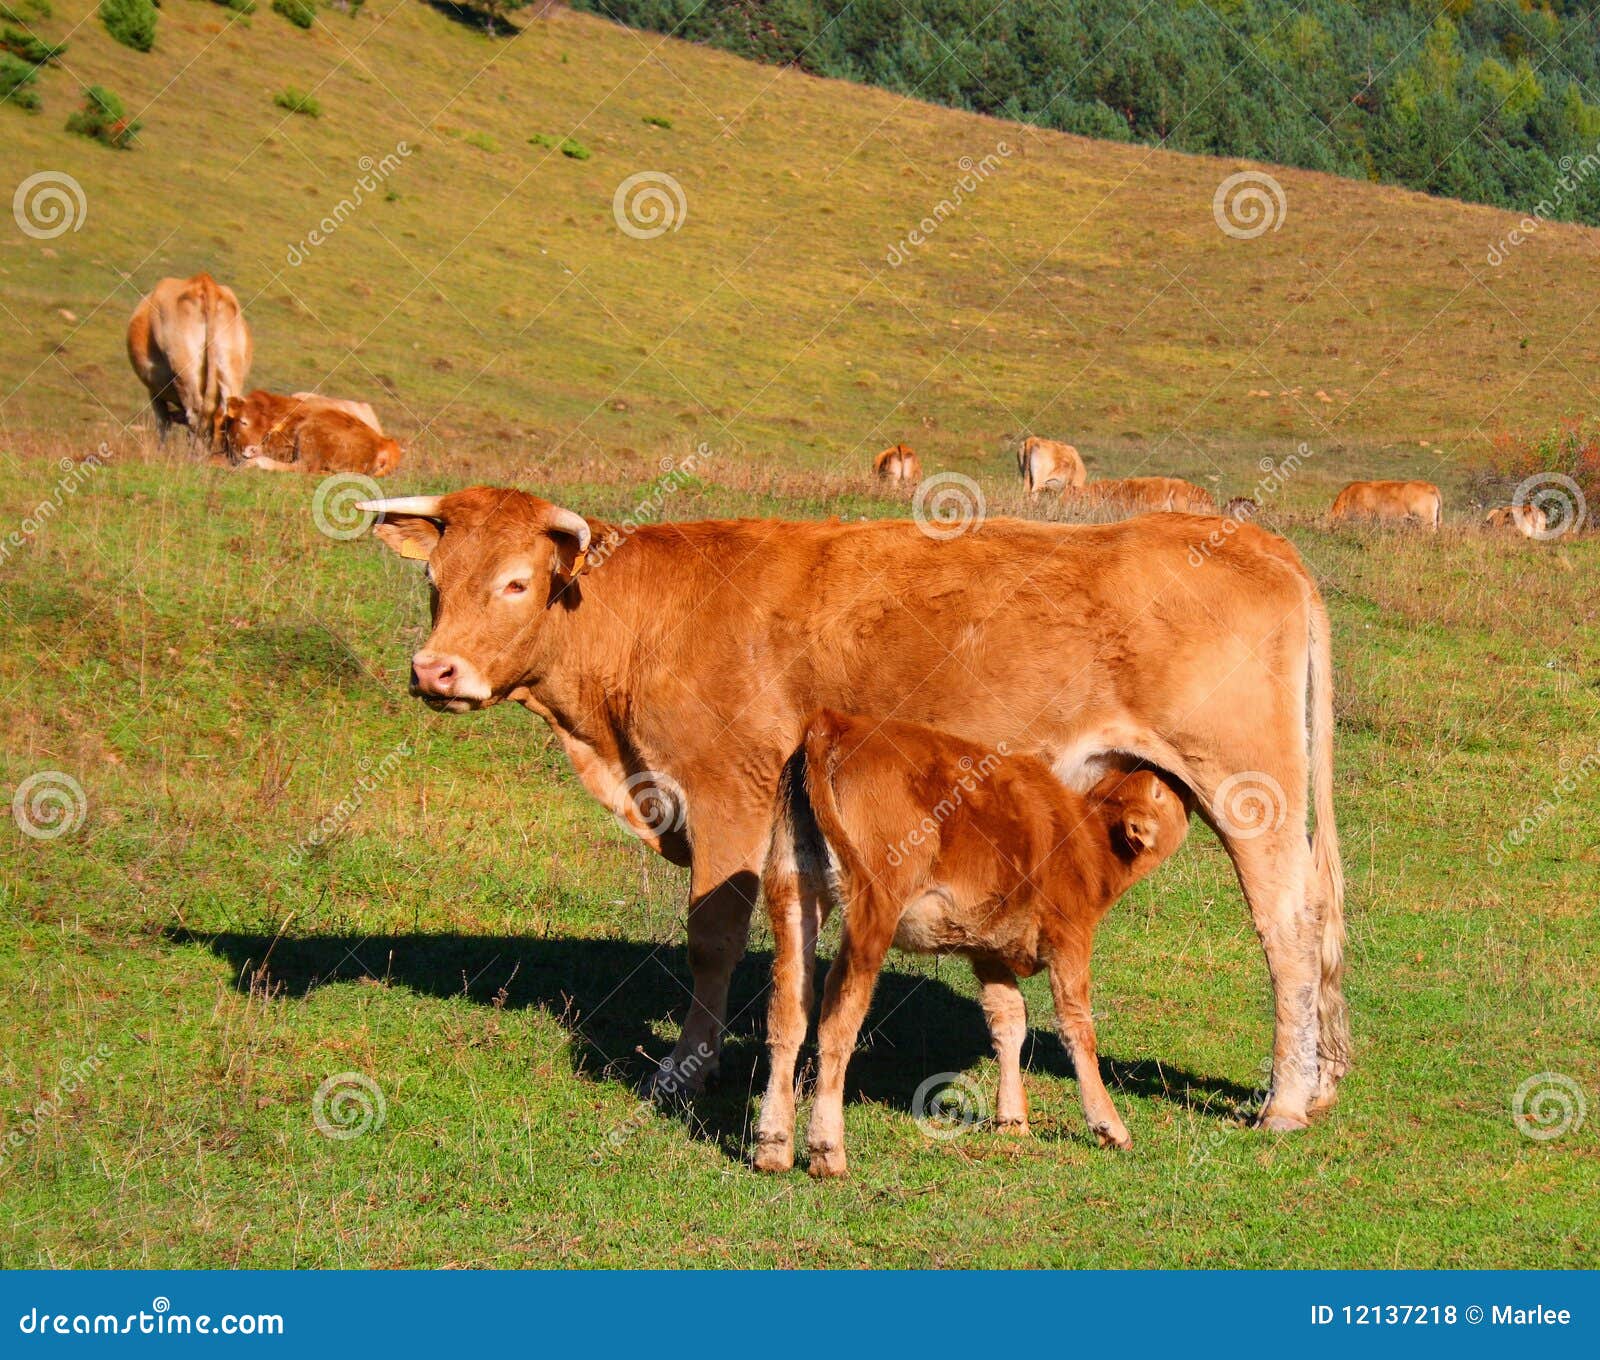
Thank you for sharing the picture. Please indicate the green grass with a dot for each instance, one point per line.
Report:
(478, 936)
(298, 101)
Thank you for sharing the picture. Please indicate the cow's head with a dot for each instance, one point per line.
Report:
(498, 561)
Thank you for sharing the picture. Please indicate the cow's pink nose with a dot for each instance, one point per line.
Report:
(432, 674)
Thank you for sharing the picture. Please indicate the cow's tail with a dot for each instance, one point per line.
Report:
(212, 397)
(1334, 1045)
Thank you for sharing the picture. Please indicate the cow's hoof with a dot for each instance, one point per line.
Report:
(1275, 1122)
(774, 1153)
(827, 1162)
(1110, 1136)
(1327, 1092)
(1014, 1128)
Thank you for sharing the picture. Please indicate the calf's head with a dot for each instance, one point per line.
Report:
(1147, 815)
(499, 562)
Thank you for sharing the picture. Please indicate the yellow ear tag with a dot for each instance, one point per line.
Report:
(415, 551)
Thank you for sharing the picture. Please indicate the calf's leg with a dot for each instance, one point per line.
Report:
(1007, 1014)
(1069, 984)
(794, 907)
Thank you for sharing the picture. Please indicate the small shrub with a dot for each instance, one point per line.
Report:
(1545, 469)
(16, 81)
(239, 6)
(19, 42)
(576, 150)
(655, 120)
(483, 141)
(131, 22)
(541, 139)
(298, 101)
(103, 118)
(26, 11)
(300, 13)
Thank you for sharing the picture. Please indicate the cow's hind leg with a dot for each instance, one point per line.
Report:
(1007, 1014)
(1274, 870)
(795, 908)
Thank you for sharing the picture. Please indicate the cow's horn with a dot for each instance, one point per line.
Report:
(570, 522)
(429, 506)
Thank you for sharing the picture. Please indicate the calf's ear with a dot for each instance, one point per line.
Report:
(1140, 830)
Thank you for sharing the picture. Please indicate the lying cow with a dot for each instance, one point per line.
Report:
(1528, 520)
(1394, 502)
(304, 437)
(1047, 465)
(679, 668)
(190, 346)
(1140, 495)
(937, 845)
(253, 420)
(897, 464)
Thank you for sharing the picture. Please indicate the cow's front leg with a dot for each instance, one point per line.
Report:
(723, 886)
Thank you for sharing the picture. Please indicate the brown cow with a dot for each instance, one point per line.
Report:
(191, 348)
(1393, 501)
(897, 464)
(938, 845)
(1047, 465)
(359, 409)
(1140, 495)
(679, 668)
(1528, 520)
(304, 437)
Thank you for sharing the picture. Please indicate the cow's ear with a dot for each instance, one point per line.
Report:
(412, 536)
(570, 532)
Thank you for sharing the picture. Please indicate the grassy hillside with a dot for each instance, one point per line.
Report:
(1082, 288)
(282, 871)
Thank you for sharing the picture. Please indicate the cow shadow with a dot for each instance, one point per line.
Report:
(616, 998)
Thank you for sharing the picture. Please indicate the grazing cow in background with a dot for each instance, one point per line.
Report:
(679, 667)
(305, 437)
(1528, 520)
(939, 845)
(1047, 465)
(897, 464)
(1397, 502)
(1139, 495)
(191, 348)
(1241, 509)
(359, 409)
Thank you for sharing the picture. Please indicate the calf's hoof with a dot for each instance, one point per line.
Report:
(774, 1153)
(827, 1161)
(1014, 1128)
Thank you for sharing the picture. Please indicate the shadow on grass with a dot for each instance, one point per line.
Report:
(613, 995)
(477, 19)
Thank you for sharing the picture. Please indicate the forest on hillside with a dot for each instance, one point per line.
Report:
(1493, 101)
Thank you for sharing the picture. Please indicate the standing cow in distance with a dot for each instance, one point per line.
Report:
(1391, 502)
(679, 688)
(936, 846)
(897, 464)
(1047, 465)
(1528, 520)
(190, 346)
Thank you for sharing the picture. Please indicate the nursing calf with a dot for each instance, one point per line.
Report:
(938, 845)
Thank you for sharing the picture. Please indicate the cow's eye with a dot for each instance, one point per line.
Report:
(514, 588)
